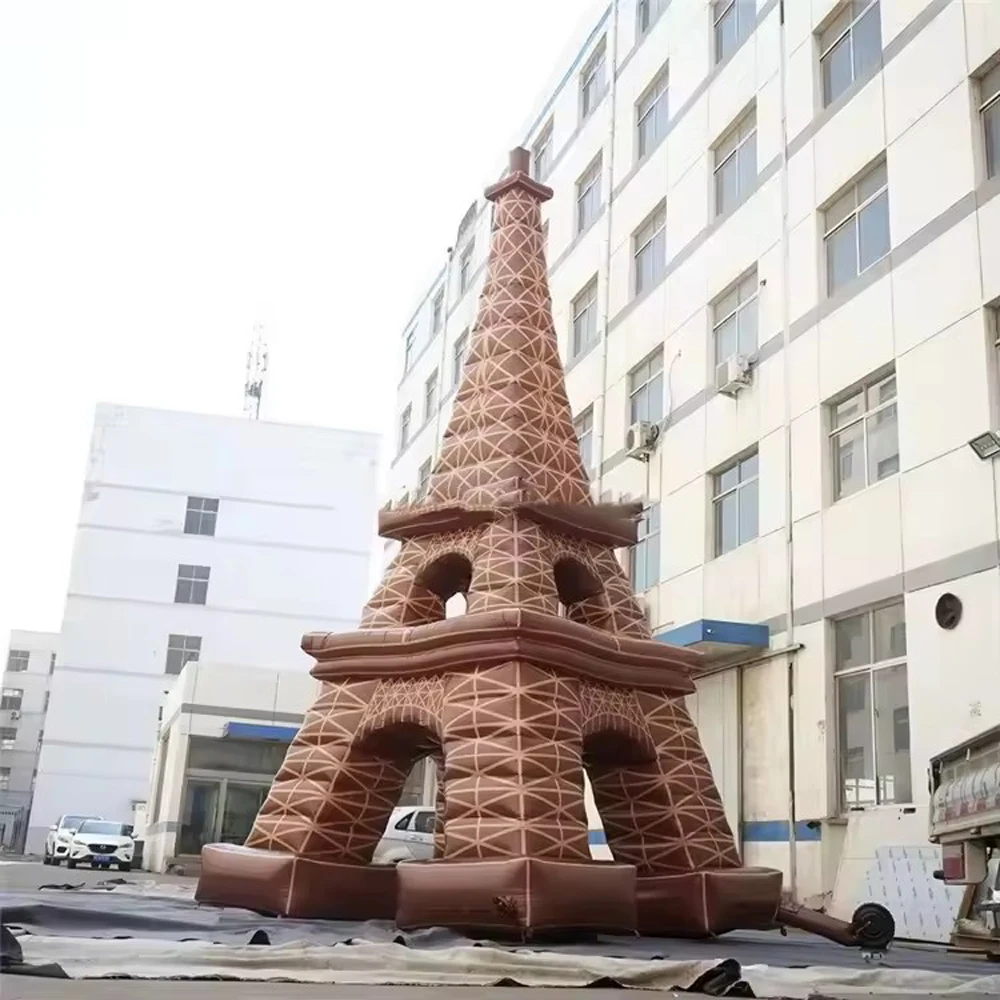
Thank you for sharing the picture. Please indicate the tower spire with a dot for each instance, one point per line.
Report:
(511, 431)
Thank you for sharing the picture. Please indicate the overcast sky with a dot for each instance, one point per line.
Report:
(174, 171)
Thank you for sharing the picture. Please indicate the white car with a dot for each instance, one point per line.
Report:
(101, 843)
(58, 838)
(409, 836)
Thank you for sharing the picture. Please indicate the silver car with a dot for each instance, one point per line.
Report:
(409, 836)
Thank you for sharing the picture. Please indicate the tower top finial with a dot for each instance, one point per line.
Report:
(519, 176)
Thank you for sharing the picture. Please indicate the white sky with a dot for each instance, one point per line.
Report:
(174, 171)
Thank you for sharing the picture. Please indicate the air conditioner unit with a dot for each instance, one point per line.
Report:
(15, 715)
(733, 374)
(640, 439)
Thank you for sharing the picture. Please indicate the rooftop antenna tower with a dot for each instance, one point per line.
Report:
(256, 370)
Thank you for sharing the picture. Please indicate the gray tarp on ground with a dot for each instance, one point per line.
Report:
(171, 935)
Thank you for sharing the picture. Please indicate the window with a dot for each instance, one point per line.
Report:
(647, 12)
(430, 395)
(4, 779)
(45, 702)
(404, 427)
(864, 437)
(11, 698)
(592, 83)
(181, 649)
(545, 237)
(411, 337)
(733, 22)
(989, 108)
(649, 251)
(645, 390)
(200, 516)
(734, 325)
(437, 311)
(458, 357)
(541, 154)
(734, 499)
(465, 267)
(644, 558)
(424, 821)
(52, 664)
(584, 320)
(17, 660)
(736, 164)
(8, 734)
(857, 229)
(651, 115)
(588, 196)
(192, 584)
(873, 714)
(584, 427)
(423, 480)
(849, 47)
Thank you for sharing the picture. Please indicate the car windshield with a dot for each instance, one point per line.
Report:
(101, 826)
(73, 822)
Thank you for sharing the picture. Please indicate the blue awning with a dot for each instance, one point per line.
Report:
(256, 731)
(718, 640)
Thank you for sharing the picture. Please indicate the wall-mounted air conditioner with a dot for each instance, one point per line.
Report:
(733, 374)
(640, 439)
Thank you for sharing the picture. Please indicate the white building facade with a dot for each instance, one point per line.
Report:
(200, 537)
(774, 254)
(31, 658)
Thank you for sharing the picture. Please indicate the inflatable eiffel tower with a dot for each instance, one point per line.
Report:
(551, 672)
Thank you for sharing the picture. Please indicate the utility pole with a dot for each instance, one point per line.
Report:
(253, 390)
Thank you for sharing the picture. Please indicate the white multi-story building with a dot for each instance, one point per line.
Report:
(31, 658)
(199, 537)
(774, 254)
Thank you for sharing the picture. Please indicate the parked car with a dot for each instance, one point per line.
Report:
(409, 836)
(57, 840)
(102, 843)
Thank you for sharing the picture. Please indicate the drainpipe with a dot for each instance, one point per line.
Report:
(613, 90)
(442, 369)
(789, 533)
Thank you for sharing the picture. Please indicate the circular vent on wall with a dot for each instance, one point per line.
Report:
(948, 611)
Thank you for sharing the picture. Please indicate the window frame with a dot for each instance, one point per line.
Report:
(594, 72)
(18, 660)
(656, 224)
(405, 420)
(835, 432)
(647, 546)
(191, 581)
(11, 699)
(659, 89)
(188, 653)
(647, 13)
(744, 26)
(583, 307)
(736, 156)
(465, 267)
(437, 311)
(201, 513)
(990, 104)
(855, 215)
(541, 161)
(458, 352)
(750, 278)
(871, 668)
(583, 427)
(430, 395)
(423, 480)
(409, 345)
(848, 33)
(7, 742)
(719, 494)
(634, 390)
(589, 182)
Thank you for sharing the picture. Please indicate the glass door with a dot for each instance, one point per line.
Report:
(242, 803)
(201, 807)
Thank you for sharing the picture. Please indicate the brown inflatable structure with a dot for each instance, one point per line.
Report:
(551, 672)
